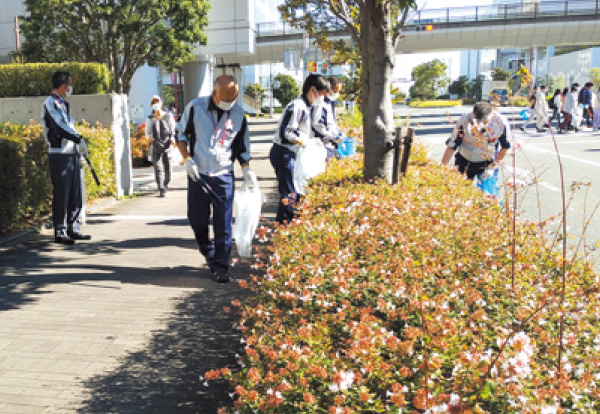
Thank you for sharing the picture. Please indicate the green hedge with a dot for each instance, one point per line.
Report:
(35, 79)
(25, 189)
(435, 104)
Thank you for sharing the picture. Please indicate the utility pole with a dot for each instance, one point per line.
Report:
(17, 31)
(271, 85)
(305, 50)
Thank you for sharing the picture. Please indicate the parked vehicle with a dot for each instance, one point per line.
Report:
(495, 91)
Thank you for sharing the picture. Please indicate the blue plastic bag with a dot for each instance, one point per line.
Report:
(488, 182)
(346, 148)
(525, 114)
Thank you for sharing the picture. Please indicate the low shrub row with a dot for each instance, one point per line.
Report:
(25, 189)
(409, 299)
(518, 101)
(436, 104)
(35, 79)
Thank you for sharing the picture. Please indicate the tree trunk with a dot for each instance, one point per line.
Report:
(378, 60)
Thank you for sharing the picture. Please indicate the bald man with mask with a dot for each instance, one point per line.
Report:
(213, 134)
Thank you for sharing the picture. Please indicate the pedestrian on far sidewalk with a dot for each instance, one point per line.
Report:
(541, 109)
(160, 132)
(213, 133)
(569, 111)
(587, 103)
(557, 105)
(66, 150)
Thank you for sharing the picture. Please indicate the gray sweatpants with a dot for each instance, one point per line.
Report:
(162, 167)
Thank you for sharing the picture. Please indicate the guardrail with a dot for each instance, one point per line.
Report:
(507, 13)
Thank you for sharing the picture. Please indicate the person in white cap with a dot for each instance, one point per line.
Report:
(160, 131)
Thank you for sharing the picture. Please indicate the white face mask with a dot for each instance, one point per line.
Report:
(318, 100)
(156, 107)
(226, 106)
(334, 96)
(69, 91)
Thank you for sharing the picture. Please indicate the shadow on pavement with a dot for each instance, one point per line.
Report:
(164, 377)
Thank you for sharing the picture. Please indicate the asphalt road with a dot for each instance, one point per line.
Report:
(536, 171)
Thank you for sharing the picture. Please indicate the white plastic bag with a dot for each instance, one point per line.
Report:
(310, 162)
(248, 203)
(174, 155)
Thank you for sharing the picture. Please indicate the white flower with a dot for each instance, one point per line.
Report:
(549, 410)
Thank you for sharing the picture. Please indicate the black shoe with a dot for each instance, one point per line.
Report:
(78, 236)
(220, 277)
(62, 238)
(162, 193)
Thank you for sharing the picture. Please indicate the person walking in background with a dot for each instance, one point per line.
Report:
(293, 130)
(541, 109)
(66, 149)
(531, 111)
(557, 104)
(160, 132)
(213, 133)
(569, 111)
(586, 102)
(324, 125)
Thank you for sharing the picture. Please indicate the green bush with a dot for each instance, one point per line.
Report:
(26, 190)
(435, 104)
(409, 299)
(518, 101)
(35, 79)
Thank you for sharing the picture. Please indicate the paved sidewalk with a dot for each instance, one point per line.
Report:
(127, 322)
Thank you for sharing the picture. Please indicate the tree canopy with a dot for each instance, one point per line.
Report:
(287, 90)
(124, 35)
(460, 87)
(375, 28)
(428, 78)
(499, 74)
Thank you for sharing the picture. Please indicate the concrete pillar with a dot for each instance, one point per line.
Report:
(121, 133)
(197, 78)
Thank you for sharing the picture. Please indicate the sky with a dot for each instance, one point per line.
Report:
(405, 63)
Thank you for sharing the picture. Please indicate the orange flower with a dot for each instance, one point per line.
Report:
(212, 375)
(254, 375)
(309, 398)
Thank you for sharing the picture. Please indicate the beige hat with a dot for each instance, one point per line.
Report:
(155, 98)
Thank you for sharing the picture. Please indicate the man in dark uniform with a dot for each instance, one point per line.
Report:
(213, 133)
(65, 155)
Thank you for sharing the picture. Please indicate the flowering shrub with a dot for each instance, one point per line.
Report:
(401, 299)
(139, 147)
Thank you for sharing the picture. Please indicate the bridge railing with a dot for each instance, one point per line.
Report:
(510, 13)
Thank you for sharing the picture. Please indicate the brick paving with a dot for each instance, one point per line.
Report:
(125, 323)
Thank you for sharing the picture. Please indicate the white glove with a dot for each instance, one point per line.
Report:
(250, 178)
(82, 161)
(83, 147)
(192, 169)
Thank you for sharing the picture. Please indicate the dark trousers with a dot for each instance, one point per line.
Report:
(66, 194)
(471, 169)
(566, 121)
(216, 194)
(588, 115)
(555, 115)
(283, 160)
(162, 167)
